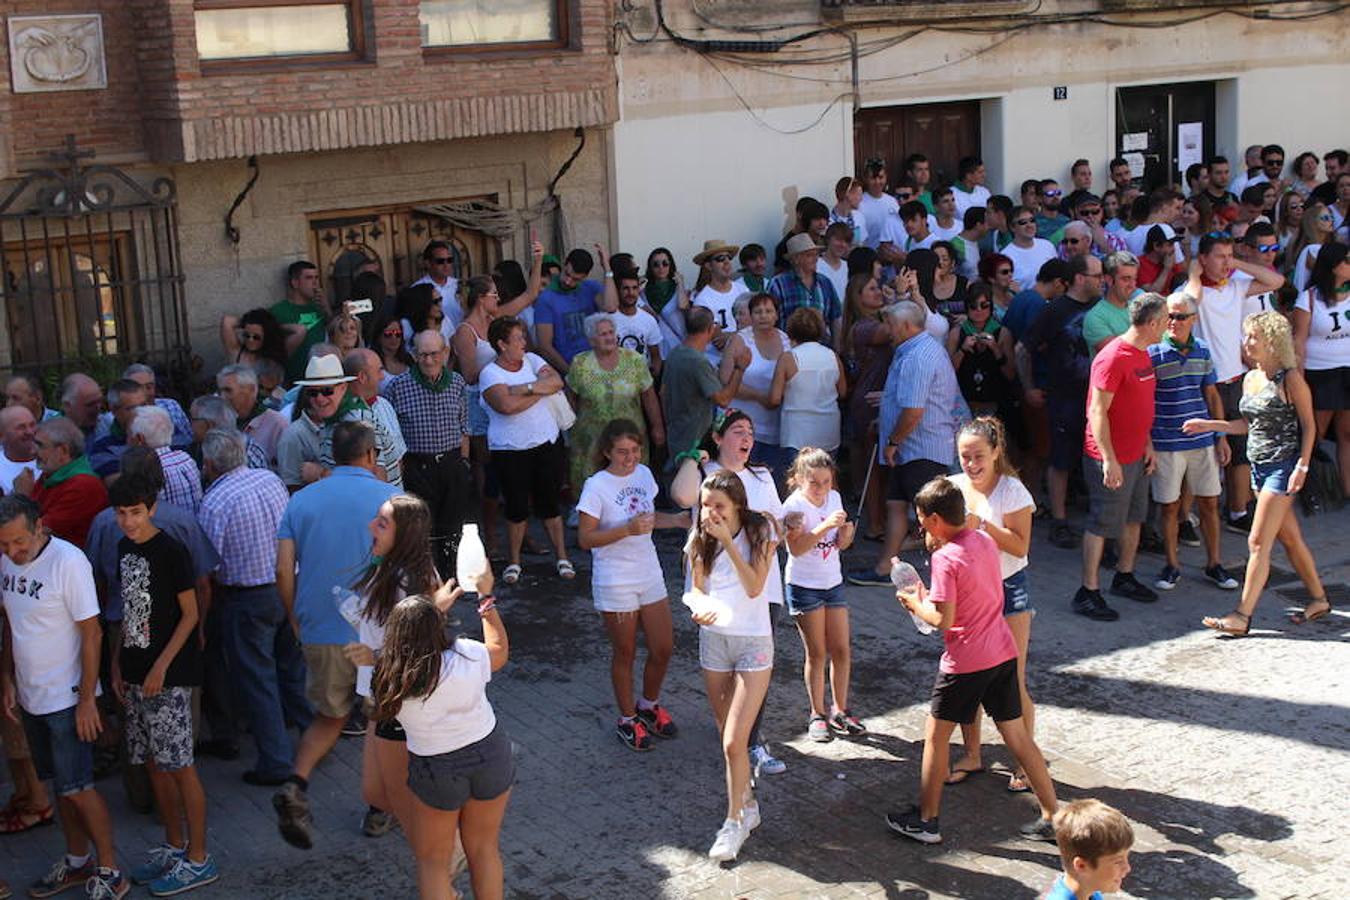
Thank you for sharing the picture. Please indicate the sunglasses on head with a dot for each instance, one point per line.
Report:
(320, 391)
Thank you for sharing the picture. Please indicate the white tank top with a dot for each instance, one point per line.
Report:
(758, 377)
(482, 351)
(810, 411)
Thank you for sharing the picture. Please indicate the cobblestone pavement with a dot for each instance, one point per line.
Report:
(1229, 755)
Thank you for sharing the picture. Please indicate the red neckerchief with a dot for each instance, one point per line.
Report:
(1205, 281)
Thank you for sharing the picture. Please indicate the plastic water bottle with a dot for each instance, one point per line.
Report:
(471, 559)
(349, 604)
(906, 580)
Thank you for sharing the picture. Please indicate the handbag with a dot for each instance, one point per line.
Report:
(1322, 487)
(559, 408)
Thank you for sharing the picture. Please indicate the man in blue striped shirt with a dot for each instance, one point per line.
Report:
(1186, 389)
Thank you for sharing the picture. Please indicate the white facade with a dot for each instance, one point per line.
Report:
(709, 148)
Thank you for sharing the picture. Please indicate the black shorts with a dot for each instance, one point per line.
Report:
(1068, 425)
(906, 480)
(390, 730)
(483, 770)
(957, 697)
(1230, 392)
(1330, 388)
(530, 479)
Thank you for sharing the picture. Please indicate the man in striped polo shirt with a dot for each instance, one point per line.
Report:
(1186, 389)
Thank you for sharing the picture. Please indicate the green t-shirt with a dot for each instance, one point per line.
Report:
(926, 198)
(310, 316)
(1103, 322)
(687, 385)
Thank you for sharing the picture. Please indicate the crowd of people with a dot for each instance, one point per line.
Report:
(956, 362)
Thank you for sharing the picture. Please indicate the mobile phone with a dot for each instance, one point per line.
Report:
(360, 306)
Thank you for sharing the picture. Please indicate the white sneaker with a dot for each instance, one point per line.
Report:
(750, 816)
(762, 762)
(730, 837)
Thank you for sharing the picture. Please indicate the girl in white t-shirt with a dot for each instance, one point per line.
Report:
(818, 530)
(401, 550)
(460, 768)
(729, 554)
(616, 515)
(998, 504)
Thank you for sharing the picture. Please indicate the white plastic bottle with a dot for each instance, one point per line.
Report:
(471, 559)
(906, 579)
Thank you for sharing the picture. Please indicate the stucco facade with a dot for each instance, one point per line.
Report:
(724, 144)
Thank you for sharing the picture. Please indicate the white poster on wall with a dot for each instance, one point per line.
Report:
(1190, 144)
(1134, 140)
(1136, 161)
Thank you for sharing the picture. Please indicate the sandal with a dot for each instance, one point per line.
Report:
(958, 775)
(1017, 783)
(511, 574)
(1303, 617)
(565, 570)
(16, 821)
(1224, 624)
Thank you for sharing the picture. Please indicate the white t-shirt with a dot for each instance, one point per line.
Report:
(457, 713)
(638, 331)
(44, 600)
(528, 428)
(371, 634)
(1009, 496)
(875, 211)
(1136, 239)
(837, 277)
(1220, 324)
(945, 234)
(761, 494)
(613, 501)
(1328, 329)
(1027, 261)
(818, 567)
(1302, 273)
(9, 470)
(977, 196)
(937, 326)
(720, 304)
(737, 613)
(923, 243)
(893, 232)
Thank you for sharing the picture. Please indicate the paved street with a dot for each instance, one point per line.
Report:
(1229, 755)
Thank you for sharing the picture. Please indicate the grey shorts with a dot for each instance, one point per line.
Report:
(1110, 511)
(159, 727)
(734, 652)
(484, 770)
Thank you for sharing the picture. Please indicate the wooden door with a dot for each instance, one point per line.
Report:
(943, 132)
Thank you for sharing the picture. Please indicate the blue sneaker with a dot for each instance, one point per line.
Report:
(158, 862)
(184, 877)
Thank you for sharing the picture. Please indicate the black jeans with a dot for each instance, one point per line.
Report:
(445, 484)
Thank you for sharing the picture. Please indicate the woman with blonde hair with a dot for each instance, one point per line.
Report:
(1277, 418)
(1317, 228)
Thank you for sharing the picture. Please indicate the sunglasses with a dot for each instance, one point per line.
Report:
(1090, 212)
(1053, 192)
(1267, 248)
(906, 195)
(660, 263)
(979, 305)
(248, 336)
(320, 391)
(441, 260)
(1025, 222)
(1003, 272)
(1325, 217)
(719, 258)
(1073, 240)
(1180, 317)
(1274, 162)
(392, 333)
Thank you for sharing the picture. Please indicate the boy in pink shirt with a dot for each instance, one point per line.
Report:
(979, 662)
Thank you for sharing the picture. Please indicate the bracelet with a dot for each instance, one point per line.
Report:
(692, 453)
(1300, 466)
(487, 604)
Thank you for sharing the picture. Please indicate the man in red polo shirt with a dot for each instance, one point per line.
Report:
(68, 493)
(1118, 455)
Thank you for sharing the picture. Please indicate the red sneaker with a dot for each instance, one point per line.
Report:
(658, 721)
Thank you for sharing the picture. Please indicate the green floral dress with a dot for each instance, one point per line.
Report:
(603, 396)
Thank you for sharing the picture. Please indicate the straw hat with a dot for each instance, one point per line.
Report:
(713, 248)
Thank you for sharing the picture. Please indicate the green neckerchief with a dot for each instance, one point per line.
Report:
(555, 285)
(660, 292)
(440, 384)
(990, 326)
(115, 429)
(1184, 348)
(755, 283)
(349, 402)
(77, 466)
(258, 409)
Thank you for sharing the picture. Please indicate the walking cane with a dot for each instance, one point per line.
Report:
(862, 499)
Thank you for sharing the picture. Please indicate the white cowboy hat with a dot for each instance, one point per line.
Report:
(324, 370)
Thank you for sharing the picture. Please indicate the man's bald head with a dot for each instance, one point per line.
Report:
(17, 430)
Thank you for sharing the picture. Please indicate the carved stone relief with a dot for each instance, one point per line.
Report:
(57, 53)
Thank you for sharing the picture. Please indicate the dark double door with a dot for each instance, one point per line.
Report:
(943, 132)
(1159, 122)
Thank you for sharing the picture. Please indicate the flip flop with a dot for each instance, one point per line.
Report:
(1223, 625)
(17, 821)
(960, 776)
(511, 574)
(1303, 617)
(1017, 784)
(565, 570)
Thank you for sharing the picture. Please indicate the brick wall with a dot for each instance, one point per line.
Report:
(161, 105)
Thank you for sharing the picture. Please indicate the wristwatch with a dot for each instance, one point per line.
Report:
(529, 388)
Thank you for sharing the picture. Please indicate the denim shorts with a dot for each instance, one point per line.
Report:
(58, 753)
(484, 770)
(1016, 599)
(804, 599)
(1273, 477)
(719, 652)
